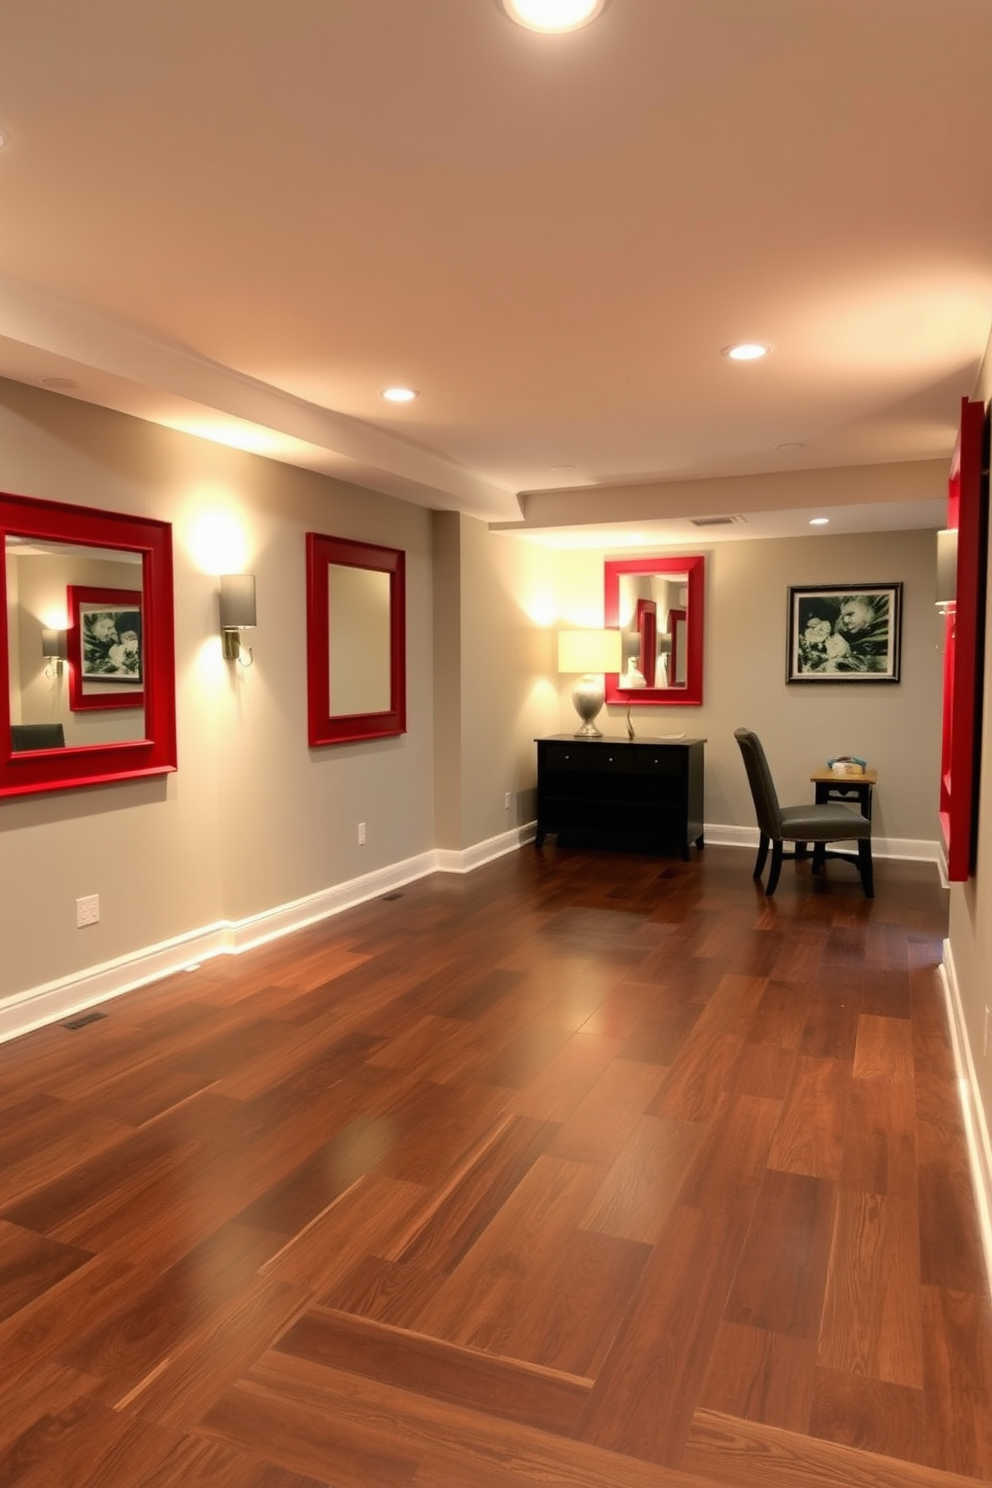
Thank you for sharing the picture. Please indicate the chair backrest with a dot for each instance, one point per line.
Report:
(762, 785)
(36, 736)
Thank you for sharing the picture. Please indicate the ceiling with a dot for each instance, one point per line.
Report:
(244, 218)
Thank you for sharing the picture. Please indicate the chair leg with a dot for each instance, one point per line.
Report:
(865, 867)
(759, 866)
(819, 856)
(776, 868)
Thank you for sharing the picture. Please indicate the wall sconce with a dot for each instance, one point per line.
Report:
(53, 649)
(237, 613)
(591, 652)
(947, 570)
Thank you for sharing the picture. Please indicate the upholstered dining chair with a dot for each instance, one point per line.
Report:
(819, 825)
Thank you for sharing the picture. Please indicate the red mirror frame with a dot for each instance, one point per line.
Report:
(325, 728)
(967, 511)
(97, 764)
(692, 693)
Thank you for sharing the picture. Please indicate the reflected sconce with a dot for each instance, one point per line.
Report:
(947, 570)
(591, 652)
(237, 613)
(53, 649)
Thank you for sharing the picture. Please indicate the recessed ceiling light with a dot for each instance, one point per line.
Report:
(398, 394)
(819, 521)
(552, 15)
(58, 384)
(4, 138)
(747, 351)
(790, 447)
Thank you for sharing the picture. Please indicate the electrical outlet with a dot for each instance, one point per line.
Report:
(985, 1036)
(361, 834)
(506, 801)
(88, 909)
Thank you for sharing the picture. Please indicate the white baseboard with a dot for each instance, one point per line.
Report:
(61, 999)
(912, 849)
(55, 1001)
(975, 1124)
(450, 860)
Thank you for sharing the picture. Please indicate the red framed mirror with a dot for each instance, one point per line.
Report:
(51, 550)
(356, 640)
(657, 603)
(967, 515)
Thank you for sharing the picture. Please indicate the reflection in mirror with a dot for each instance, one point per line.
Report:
(658, 605)
(648, 605)
(356, 640)
(111, 698)
(41, 577)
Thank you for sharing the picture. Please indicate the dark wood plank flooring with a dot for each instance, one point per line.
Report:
(585, 1169)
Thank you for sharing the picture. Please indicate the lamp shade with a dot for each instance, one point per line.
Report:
(237, 601)
(589, 651)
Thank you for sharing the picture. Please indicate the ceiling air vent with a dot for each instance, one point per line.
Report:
(716, 521)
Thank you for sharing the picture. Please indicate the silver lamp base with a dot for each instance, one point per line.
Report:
(588, 697)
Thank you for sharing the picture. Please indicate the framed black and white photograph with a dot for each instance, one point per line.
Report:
(105, 648)
(844, 633)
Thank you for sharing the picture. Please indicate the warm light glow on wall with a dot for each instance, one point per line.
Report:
(54, 618)
(217, 542)
(542, 609)
(237, 434)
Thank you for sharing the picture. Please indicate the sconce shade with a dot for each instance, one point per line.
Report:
(947, 567)
(53, 644)
(237, 601)
(590, 651)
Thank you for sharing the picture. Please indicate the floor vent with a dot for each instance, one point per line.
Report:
(86, 1018)
(392, 896)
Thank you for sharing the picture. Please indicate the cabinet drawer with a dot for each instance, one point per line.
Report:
(565, 756)
(603, 759)
(669, 762)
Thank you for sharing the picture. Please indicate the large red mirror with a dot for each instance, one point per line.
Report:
(86, 641)
(657, 603)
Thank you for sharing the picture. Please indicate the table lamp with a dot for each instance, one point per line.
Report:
(591, 652)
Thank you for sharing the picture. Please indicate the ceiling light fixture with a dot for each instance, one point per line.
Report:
(819, 521)
(58, 384)
(552, 15)
(398, 394)
(746, 351)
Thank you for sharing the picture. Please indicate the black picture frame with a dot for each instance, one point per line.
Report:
(844, 633)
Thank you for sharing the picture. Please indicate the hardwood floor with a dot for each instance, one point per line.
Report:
(584, 1169)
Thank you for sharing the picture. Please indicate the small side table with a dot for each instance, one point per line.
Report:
(830, 786)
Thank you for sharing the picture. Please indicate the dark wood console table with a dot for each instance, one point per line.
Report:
(646, 792)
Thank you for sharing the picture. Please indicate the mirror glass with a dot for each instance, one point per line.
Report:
(652, 613)
(100, 698)
(356, 640)
(658, 605)
(86, 638)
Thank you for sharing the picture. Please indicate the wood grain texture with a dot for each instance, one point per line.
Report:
(584, 1170)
